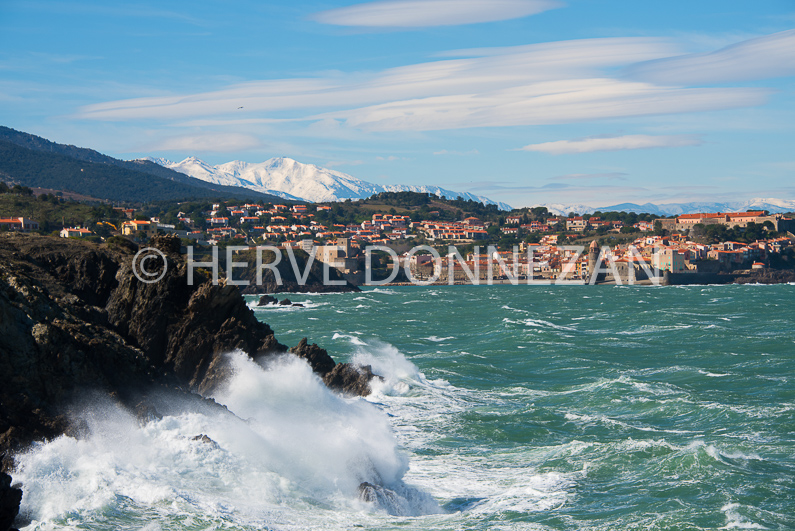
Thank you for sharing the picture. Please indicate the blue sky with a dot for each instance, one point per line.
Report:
(523, 101)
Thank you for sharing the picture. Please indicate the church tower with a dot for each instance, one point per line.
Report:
(593, 257)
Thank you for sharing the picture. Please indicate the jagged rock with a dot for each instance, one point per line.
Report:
(367, 492)
(147, 412)
(287, 282)
(9, 502)
(285, 302)
(74, 317)
(350, 379)
(265, 300)
(317, 357)
(206, 440)
(384, 498)
(168, 243)
(767, 276)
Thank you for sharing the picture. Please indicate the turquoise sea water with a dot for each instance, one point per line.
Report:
(503, 407)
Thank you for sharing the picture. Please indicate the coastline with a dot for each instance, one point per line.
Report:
(77, 319)
(762, 277)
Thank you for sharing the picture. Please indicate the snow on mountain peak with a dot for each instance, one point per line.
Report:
(290, 179)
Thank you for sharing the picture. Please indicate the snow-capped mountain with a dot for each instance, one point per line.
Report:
(673, 209)
(291, 179)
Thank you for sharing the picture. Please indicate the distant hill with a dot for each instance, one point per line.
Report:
(291, 179)
(152, 180)
(675, 209)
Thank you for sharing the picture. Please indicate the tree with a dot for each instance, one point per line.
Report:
(533, 237)
(697, 231)
(539, 213)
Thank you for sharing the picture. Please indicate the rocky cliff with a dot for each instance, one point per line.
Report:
(74, 317)
(318, 279)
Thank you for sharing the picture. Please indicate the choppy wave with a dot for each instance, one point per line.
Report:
(501, 407)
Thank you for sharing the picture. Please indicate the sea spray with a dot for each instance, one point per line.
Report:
(287, 446)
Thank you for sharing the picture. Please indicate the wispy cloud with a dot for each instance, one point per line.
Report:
(554, 102)
(457, 153)
(759, 58)
(425, 13)
(123, 10)
(338, 163)
(211, 142)
(615, 143)
(560, 82)
(613, 176)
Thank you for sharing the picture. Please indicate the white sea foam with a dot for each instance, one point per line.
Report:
(734, 520)
(305, 304)
(353, 339)
(437, 339)
(398, 373)
(712, 374)
(384, 291)
(291, 445)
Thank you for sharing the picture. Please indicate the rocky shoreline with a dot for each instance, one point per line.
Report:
(74, 318)
(767, 276)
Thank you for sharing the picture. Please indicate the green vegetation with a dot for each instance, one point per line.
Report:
(53, 213)
(418, 206)
(721, 233)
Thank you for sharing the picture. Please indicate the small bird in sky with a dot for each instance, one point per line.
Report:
(240, 107)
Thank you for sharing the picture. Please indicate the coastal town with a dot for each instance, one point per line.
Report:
(528, 245)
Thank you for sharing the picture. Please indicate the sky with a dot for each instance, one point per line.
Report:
(523, 101)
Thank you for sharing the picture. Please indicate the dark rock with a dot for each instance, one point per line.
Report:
(74, 318)
(767, 276)
(206, 440)
(147, 412)
(10, 497)
(287, 281)
(384, 498)
(298, 305)
(350, 379)
(285, 302)
(265, 300)
(367, 492)
(168, 243)
(317, 357)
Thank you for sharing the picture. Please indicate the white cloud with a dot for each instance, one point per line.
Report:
(220, 142)
(425, 13)
(338, 163)
(613, 176)
(560, 82)
(615, 143)
(458, 153)
(565, 101)
(506, 67)
(759, 58)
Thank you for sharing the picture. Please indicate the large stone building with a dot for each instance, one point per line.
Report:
(340, 256)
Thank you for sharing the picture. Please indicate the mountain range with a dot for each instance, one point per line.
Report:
(290, 179)
(34, 161)
(674, 209)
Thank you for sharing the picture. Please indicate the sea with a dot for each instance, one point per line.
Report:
(499, 408)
